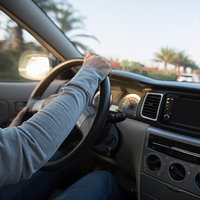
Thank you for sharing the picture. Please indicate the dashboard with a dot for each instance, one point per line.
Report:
(121, 102)
(165, 108)
(124, 98)
(165, 104)
(159, 142)
(164, 119)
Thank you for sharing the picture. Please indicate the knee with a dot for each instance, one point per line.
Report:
(107, 183)
(99, 179)
(104, 178)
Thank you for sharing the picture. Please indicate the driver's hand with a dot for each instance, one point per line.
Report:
(98, 63)
(18, 119)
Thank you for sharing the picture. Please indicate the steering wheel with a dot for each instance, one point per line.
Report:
(90, 123)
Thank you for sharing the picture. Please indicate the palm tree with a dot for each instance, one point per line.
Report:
(165, 55)
(124, 64)
(191, 64)
(63, 13)
(179, 59)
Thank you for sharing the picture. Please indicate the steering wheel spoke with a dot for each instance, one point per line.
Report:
(37, 106)
(86, 120)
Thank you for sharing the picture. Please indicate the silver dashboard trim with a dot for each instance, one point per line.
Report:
(178, 150)
(158, 106)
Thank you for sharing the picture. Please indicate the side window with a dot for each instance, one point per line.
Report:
(17, 45)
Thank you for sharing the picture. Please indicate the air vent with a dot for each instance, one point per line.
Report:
(151, 106)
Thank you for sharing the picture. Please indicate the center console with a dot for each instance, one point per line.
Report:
(170, 166)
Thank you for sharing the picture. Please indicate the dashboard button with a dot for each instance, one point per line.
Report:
(166, 117)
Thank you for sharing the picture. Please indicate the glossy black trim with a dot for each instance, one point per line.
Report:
(156, 83)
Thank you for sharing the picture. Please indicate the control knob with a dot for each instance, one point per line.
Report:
(177, 172)
(153, 163)
(197, 180)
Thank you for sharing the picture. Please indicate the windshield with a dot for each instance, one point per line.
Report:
(158, 39)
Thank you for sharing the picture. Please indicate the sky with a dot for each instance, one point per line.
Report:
(136, 29)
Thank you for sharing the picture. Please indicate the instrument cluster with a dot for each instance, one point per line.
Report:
(127, 104)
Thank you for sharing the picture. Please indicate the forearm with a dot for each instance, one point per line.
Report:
(28, 147)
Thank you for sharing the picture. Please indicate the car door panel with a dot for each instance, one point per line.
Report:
(14, 96)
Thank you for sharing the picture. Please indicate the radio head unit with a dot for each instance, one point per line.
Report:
(182, 111)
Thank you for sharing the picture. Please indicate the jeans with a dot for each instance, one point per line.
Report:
(99, 185)
(95, 186)
(39, 186)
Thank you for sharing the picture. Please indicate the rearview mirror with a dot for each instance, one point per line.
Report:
(35, 66)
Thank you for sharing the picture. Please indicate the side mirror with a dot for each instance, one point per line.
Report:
(35, 66)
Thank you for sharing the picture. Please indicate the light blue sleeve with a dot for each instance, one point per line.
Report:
(26, 148)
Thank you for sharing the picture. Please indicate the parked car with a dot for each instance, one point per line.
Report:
(154, 152)
(186, 77)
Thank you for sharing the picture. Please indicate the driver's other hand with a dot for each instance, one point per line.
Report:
(18, 119)
(98, 63)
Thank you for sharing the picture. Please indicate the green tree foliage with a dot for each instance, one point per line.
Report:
(124, 64)
(138, 68)
(161, 76)
(179, 59)
(165, 55)
(11, 48)
(64, 15)
(136, 65)
(191, 64)
(9, 65)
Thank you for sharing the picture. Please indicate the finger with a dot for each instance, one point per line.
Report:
(22, 113)
(89, 54)
(18, 119)
(105, 60)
